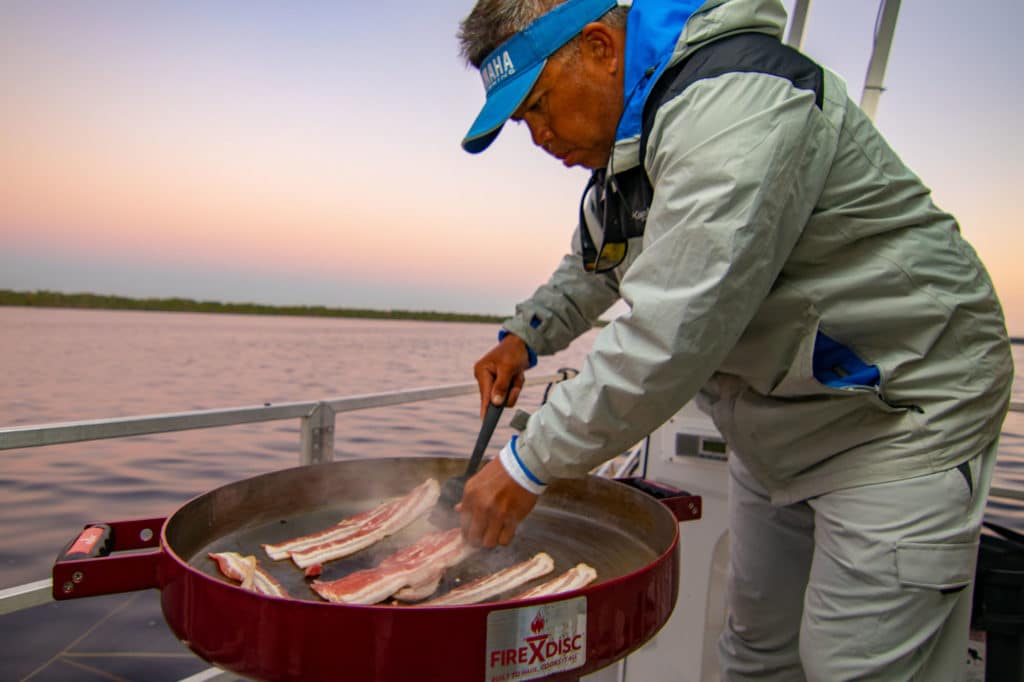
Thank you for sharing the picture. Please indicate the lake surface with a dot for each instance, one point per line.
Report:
(71, 365)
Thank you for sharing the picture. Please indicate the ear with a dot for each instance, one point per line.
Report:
(604, 45)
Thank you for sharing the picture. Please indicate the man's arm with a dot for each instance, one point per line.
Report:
(562, 309)
(568, 305)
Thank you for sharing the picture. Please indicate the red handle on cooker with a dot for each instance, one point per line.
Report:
(86, 566)
(683, 505)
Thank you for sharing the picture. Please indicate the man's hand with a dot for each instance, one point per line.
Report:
(502, 370)
(492, 506)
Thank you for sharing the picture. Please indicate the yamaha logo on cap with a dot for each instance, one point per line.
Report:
(511, 69)
(496, 69)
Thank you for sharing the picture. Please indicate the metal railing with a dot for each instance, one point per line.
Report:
(317, 420)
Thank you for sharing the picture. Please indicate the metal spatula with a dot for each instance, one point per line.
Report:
(451, 491)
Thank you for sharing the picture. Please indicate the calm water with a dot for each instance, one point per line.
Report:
(69, 365)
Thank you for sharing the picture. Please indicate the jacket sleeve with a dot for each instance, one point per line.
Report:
(736, 163)
(565, 307)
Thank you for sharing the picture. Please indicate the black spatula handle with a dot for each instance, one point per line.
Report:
(491, 417)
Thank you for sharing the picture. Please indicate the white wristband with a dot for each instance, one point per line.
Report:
(519, 473)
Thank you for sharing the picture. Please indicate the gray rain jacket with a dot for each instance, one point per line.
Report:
(782, 230)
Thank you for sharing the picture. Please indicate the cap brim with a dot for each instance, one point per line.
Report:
(501, 104)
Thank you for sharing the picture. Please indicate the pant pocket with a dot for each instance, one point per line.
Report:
(947, 567)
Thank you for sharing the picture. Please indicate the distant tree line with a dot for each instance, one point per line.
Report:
(56, 299)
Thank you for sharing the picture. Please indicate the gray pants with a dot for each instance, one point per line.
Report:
(867, 583)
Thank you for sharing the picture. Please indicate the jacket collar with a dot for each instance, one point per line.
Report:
(652, 32)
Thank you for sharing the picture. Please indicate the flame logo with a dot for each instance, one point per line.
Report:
(538, 623)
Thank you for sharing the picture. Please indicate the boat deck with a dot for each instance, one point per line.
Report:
(116, 637)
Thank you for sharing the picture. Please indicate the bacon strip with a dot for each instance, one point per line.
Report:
(341, 530)
(420, 591)
(248, 573)
(495, 583)
(360, 531)
(246, 570)
(412, 565)
(576, 577)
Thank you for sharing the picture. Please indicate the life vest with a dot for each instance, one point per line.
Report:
(623, 199)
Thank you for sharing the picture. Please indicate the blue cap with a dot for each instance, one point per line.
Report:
(511, 70)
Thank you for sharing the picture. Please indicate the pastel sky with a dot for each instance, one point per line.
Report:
(308, 152)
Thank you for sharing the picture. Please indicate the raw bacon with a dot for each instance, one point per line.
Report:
(246, 571)
(416, 564)
(340, 530)
(576, 577)
(360, 531)
(420, 591)
(496, 583)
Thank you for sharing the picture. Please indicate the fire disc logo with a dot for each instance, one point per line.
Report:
(540, 647)
(532, 642)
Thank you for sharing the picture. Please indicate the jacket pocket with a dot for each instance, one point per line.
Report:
(947, 567)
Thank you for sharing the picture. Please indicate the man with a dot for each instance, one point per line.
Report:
(782, 266)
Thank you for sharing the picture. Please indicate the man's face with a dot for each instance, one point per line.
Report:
(574, 107)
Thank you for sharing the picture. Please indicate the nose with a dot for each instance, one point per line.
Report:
(540, 132)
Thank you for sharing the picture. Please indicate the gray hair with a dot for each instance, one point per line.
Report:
(492, 22)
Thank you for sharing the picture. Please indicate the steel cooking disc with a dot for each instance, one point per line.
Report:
(613, 528)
